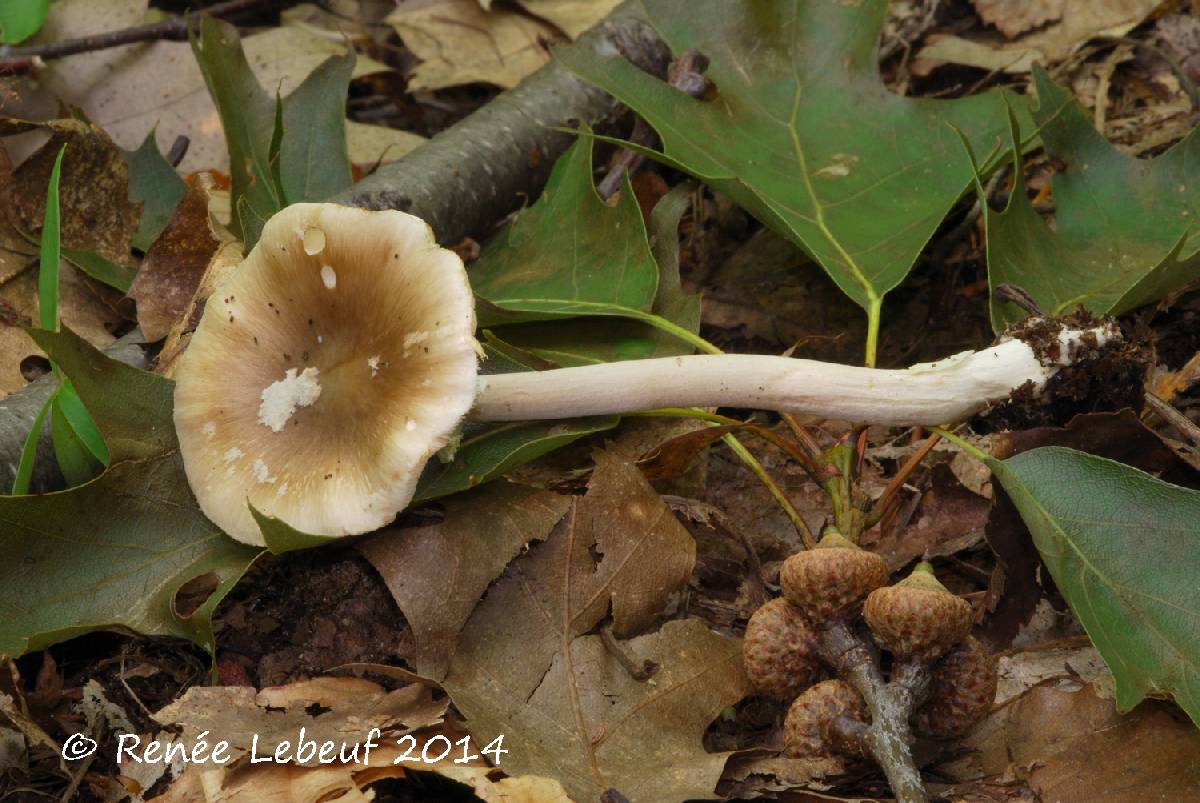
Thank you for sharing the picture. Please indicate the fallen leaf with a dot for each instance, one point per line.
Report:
(791, 130)
(173, 267)
(226, 258)
(1124, 232)
(949, 518)
(1071, 746)
(525, 669)
(337, 709)
(438, 573)
(488, 451)
(372, 145)
(1120, 545)
(130, 90)
(97, 214)
(1015, 17)
(1047, 664)
(350, 783)
(145, 538)
(156, 186)
(572, 17)
(460, 43)
(581, 718)
(1071, 24)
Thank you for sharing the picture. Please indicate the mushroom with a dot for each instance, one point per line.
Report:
(340, 356)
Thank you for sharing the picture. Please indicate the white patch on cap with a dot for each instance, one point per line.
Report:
(314, 241)
(261, 473)
(233, 454)
(413, 338)
(373, 364)
(281, 398)
(210, 429)
(282, 489)
(329, 276)
(411, 425)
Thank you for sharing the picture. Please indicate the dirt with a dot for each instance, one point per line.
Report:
(305, 613)
(1102, 377)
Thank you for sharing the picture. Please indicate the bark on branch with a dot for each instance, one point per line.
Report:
(493, 162)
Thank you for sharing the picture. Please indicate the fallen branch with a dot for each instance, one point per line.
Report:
(483, 168)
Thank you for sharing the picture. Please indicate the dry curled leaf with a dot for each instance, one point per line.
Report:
(460, 43)
(564, 701)
(175, 264)
(339, 709)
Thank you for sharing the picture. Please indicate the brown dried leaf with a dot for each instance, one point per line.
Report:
(175, 264)
(1015, 17)
(97, 214)
(586, 721)
(523, 667)
(1071, 746)
(347, 783)
(673, 457)
(458, 42)
(227, 257)
(948, 519)
(129, 90)
(238, 713)
(572, 17)
(437, 573)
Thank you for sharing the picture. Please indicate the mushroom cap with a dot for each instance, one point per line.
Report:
(325, 371)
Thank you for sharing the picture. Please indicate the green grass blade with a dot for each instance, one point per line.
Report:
(81, 421)
(51, 252)
(20, 485)
(75, 460)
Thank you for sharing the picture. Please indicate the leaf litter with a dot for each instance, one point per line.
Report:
(444, 631)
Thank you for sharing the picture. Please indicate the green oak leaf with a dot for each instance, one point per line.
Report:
(801, 131)
(1124, 231)
(573, 255)
(155, 183)
(487, 451)
(280, 152)
(113, 552)
(1124, 549)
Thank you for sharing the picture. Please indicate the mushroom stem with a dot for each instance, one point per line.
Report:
(930, 393)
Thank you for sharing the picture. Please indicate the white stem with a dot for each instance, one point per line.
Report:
(940, 392)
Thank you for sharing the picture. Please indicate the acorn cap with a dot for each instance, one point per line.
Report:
(778, 651)
(962, 691)
(806, 726)
(831, 579)
(325, 371)
(917, 616)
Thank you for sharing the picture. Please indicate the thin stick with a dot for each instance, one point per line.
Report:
(893, 486)
(19, 59)
(887, 737)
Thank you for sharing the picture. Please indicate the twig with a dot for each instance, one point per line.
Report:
(887, 738)
(628, 662)
(751, 462)
(22, 59)
(893, 486)
(1181, 422)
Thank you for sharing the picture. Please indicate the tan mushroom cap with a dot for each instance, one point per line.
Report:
(334, 361)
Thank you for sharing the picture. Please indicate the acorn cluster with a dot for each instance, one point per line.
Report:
(916, 620)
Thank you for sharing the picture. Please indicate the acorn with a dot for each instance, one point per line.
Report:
(806, 727)
(918, 616)
(778, 651)
(962, 691)
(831, 579)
